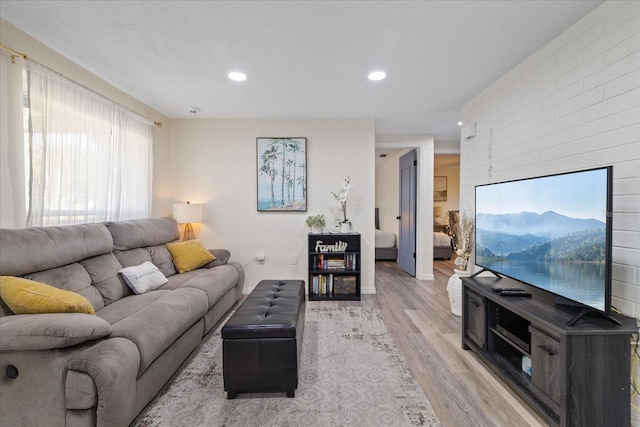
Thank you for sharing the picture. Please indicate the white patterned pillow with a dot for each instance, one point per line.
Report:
(143, 278)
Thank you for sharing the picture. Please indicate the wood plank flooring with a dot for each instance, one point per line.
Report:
(462, 391)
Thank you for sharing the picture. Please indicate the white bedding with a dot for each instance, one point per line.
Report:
(441, 239)
(385, 239)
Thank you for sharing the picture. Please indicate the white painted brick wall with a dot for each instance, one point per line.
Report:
(572, 105)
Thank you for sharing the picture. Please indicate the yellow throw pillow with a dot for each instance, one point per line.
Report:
(189, 255)
(24, 296)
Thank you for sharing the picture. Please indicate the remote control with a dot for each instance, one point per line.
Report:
(518, 293)
(498, 290)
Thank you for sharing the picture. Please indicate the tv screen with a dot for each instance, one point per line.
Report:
(552, 232)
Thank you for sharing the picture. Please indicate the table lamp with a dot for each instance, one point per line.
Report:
(186, 213)
(437, 214)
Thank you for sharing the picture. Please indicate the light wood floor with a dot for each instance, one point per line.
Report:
(462, 391)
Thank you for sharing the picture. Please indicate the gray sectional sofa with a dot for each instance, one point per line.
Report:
(72, 369)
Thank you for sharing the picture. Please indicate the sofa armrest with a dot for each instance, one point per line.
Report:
(222, 257)
(24, 332)
(113, 365)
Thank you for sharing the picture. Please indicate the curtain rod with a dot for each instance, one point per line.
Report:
(24, 56)
(14, 53)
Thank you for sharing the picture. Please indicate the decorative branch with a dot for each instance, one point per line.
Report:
(466, 228)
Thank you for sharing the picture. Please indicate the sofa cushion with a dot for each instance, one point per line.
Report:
(161, 258)
(72, 277)
(24, 296)
(30, 332)
(131, 257)
(140, 233)
(113, 313)
(189, 255)
(222, 257)
(214, 282)
(155, 326)
(42, 248)
(143, 278)
(103, 271)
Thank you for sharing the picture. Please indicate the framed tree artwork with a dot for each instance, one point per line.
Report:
(282, 174)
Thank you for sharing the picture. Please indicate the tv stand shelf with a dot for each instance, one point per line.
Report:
(579, 375)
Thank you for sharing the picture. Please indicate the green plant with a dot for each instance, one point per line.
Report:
(316, 221)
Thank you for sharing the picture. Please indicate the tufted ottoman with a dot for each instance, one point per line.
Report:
(262, 341)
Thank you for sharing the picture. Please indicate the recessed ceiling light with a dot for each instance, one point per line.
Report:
(237, 76)
(459, 123)
(377, 75)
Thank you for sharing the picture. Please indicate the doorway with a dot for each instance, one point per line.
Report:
(388, 199)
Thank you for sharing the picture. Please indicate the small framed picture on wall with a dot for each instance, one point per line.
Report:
(439, 188)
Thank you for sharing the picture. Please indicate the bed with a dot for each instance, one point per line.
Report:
(442, 248)
(443, 243)
(385, 244)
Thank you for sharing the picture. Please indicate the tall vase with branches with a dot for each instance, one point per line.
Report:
(464, 233)
(466, 228)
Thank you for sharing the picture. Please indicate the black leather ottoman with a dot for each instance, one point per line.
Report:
(262, 341)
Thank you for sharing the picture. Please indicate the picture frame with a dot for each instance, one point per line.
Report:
(281, 171)
(439, 188)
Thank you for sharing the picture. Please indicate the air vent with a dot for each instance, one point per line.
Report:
(382, 156)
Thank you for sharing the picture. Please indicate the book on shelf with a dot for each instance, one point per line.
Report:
(350, 261)
(335, 264)
(322, 285)
(347, 261)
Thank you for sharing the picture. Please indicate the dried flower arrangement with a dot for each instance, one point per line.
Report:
(466, 228)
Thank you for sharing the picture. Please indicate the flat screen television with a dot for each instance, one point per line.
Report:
(551, 232)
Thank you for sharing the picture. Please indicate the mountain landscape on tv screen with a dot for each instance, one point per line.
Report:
(550, 236)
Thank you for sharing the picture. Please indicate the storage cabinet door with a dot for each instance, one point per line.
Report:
(475, 327)
(546, 364)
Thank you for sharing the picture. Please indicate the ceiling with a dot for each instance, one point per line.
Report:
(303, 59)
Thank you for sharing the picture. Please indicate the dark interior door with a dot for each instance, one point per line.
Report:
(407, 237)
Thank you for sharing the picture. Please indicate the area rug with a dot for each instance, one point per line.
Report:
(351, 374)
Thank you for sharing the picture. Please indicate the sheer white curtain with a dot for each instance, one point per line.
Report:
(90, 159)
(12, 169)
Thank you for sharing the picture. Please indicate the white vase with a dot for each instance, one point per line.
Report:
(454, 287)
(345, 227)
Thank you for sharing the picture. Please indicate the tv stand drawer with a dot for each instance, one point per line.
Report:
(475, 326)
(546, 364)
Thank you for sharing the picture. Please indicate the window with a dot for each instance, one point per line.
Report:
(89, 159)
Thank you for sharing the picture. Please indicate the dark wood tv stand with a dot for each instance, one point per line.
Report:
(580, 375)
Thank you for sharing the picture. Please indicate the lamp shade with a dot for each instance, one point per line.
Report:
(438, 211)
(187, 213)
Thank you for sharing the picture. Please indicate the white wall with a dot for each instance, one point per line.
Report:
(449, 166)
(447, 147)
(574, 104)
(213, 162)
(387, 193)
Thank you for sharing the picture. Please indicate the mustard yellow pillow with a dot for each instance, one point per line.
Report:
(189, 255)
(24, 296)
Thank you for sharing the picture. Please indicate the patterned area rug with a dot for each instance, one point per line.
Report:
(351, 374)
